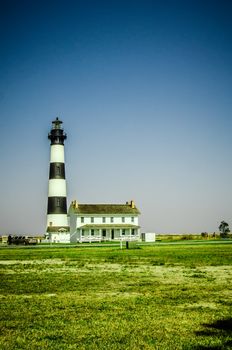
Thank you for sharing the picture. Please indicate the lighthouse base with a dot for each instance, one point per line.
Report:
(57, 228)
(58, 234)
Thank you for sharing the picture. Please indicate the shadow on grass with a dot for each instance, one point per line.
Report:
(220, 329)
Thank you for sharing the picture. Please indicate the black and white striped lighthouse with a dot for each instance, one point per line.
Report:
(57, 220)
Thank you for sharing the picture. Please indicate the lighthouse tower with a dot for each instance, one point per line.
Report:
(57, 220)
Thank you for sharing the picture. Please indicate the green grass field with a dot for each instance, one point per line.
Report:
(153, 297)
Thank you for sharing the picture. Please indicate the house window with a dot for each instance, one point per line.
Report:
(112, 219)
(104, 220)
(133, 231)
(92, 232)
(132, 219)
(123, 219)
(123, 232)
(104, 233)
(92, 219)
(82, 220)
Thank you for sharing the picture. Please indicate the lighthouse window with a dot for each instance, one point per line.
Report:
(58, 202)
(58, 170)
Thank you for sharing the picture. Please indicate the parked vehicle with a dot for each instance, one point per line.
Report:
(30, 241)
(23, 240)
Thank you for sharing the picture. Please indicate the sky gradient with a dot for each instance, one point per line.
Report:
(144, 92)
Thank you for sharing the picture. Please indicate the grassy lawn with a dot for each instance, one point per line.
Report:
(155, 297)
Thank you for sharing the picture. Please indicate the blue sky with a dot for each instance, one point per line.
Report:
(144, 91)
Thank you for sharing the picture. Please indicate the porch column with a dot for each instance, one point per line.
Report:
(120, 234)
(80, 237)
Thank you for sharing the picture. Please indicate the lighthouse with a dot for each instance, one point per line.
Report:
(57, 220)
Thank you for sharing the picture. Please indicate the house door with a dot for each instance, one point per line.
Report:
(112, 234)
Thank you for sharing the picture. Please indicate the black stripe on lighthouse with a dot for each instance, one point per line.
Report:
(57, 205)
(57, 171)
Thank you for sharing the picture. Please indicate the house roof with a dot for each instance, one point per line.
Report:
(103, 209)
(58, 229)
(108, 226)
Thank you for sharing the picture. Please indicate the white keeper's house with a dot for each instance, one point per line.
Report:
(103, 222)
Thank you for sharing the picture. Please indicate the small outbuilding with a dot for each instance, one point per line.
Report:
(148, 237)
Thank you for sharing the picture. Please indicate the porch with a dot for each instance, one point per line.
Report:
(101, 233)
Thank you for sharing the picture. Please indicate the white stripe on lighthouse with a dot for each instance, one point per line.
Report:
(57, 220)
(57, 154)
(57, 188)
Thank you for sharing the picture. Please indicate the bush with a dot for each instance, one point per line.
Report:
(187, 237)
(204, 235)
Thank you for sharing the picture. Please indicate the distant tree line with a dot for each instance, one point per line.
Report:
(224, 231)
(208, 235)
